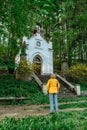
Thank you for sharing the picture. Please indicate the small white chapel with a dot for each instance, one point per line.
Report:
(40, 52)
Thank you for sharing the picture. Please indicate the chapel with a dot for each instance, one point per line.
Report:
(40, 52)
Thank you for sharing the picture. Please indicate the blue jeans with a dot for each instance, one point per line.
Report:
(53, 102)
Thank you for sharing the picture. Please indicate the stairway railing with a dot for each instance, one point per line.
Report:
(71, 87)
(65, 81)
(43, 85)
(37, 80)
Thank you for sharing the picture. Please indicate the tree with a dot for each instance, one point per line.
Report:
(64, 23)
(14, 23)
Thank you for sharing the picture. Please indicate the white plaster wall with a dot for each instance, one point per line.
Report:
(45, 51)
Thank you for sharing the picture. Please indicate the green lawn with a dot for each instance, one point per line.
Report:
(56, 121)
(72, 120)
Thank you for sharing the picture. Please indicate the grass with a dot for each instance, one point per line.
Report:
(73, 105)
(56, 121)
(83, 86)
(11, 87)
(78, 98)
(69, 105)
(73, 120)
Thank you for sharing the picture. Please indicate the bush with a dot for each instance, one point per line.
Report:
(78, 73)
(25, 68)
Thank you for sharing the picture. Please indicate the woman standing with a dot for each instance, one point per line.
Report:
(53, 86)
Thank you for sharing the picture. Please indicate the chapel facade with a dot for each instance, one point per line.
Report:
(40, 52)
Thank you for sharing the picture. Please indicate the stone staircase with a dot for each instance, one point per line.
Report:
(44, 78)
(65, 91)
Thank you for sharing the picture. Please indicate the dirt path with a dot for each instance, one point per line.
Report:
(20, 111)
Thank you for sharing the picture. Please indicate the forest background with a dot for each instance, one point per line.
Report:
(62, 22)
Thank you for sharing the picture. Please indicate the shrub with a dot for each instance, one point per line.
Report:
(25, 68)
(78, 73)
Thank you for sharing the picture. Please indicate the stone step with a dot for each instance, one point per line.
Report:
(64, 89)
(43, 78)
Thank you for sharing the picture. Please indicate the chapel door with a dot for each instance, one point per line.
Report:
(38, 61)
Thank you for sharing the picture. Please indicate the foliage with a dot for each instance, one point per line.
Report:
(79, 70)
(78, 73)
(11, 87)
(13, 22)
(69, 34)
(57, 65)
(64, 22)
(25, 68)
(65, 121)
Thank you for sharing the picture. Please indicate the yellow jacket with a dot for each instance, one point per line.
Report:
(53, 85)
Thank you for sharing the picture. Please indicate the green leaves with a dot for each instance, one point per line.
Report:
(67, 120)
(65, 22)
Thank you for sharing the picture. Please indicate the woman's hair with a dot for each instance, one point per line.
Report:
(52, 75)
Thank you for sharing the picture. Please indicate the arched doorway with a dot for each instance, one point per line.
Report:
(38, 60)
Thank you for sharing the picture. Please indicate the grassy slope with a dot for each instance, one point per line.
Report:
(58, 121)
(11, 87)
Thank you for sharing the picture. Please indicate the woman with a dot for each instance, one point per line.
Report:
(53, 86)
